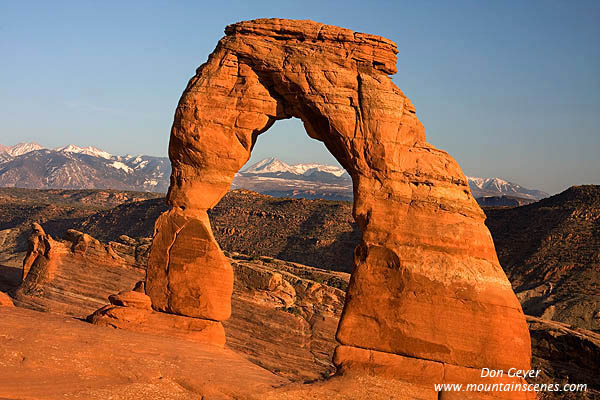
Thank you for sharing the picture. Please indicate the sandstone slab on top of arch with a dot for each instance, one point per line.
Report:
(427, 282)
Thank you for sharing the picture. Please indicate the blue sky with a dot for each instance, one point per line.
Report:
(508, 88)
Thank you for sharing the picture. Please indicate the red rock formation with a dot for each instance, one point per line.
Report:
(174, 281)
(76, 275)
(137, 319)
(427, 282)
(5, 300)
(38, 254)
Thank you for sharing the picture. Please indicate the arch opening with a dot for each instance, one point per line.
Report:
(267, 240)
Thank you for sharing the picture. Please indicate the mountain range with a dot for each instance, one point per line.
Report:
(30, 165)
(276, 178)
(482, 187)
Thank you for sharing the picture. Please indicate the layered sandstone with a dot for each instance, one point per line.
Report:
(427, 283)
(284, 317)
(76, 275)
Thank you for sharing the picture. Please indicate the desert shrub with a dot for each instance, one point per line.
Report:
(338, 283)
(292, 310)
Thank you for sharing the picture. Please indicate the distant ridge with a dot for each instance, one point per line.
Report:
(481, 187)
(20, 149)
(89, 150)
(31, 165)
(277, 178)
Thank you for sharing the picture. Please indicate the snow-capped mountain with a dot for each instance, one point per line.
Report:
(277, 178)
(20, 149)
(268, 165)
(30, 165)
(89, 150)
(275, 166)
(481, 187)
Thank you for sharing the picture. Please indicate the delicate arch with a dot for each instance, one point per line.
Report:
(427, 282)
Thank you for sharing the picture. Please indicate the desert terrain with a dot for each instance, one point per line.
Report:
(285, 309)
(410, 291)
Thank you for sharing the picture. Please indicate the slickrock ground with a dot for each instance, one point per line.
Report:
(46, 356)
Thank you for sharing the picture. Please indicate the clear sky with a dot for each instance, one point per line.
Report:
(508, 88)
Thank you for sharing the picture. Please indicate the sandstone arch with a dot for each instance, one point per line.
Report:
(427, 283)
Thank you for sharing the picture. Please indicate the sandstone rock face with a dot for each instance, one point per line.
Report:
(188, 274)
(38, 254)
(74, 276)
(5, 300)
(285, 315)
(427, 283)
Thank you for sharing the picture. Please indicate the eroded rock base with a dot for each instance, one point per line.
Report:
(187, 272)
(354, 361)
(170, 325)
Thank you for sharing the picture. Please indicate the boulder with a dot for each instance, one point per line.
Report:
(131, 298)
